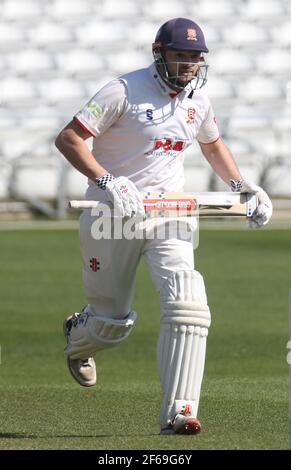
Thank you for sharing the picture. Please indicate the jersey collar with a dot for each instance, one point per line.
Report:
(164, 88)
(161, 85)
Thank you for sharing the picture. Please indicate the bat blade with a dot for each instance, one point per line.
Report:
(204, 204)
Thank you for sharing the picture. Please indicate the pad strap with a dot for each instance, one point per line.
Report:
(90, 333)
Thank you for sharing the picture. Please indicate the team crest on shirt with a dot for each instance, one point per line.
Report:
(191, 115)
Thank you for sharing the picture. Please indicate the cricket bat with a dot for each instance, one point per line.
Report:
(204, 204)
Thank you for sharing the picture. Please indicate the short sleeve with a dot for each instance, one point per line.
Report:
(208, 131)
(104, 109)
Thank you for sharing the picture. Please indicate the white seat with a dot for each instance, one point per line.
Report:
(246, 35)
(219, 90)
(241, 148)
(208, 11)
(101, 34)
(51, 35)
(261, 10)
(26, 142)
(127, 61)
(278, 178)
(76, 184)
(275, 62)
(162, 10)
(80, 62)
(261, 91)
(45, 128)
(143, 34)
(43, 119)
(18, 10)
(282, 129)
(35, 178)
(213, 36)
(11, 35)
(31, 62)
(9, 121)
(4, 68)
(281, 34)
(249, 162)
(62, 91)
(249, 171)
(69, 10)
(113, 9)
(254, 128)
(5, 175)
(231, 62)
(17, 92)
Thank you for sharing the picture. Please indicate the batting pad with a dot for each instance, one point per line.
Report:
(90, 333)
(185, 319)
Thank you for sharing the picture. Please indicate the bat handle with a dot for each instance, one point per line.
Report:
(83, 204)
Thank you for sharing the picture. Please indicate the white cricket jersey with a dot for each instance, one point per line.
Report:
(142, 128)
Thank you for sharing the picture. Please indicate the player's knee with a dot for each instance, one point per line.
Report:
(184, 301)
(89, 333)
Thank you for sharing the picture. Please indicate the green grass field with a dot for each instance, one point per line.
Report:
(244, 401)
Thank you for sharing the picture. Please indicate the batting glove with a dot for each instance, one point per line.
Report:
(264, 211)
(123, 194)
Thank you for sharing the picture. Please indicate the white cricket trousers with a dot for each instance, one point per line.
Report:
(109, 266)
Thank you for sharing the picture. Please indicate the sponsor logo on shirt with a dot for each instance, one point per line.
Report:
(95, 109)
(167, 147)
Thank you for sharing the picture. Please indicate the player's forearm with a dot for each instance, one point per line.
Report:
(221, 160)
(75, 150)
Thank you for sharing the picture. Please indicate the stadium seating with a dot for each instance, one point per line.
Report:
(260, 91)
(100, 35)
(36, 178)
(56, 54)
(246, 36)
(17, 10)
(262, 10)
(208, 12)
(11, 35)
(51, 36)
(5, 176)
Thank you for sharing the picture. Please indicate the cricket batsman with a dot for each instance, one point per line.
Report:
(141, 124)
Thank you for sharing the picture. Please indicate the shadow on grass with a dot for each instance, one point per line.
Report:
(17, 435)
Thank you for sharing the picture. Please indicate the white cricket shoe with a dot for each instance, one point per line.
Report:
(183, 423)
(83, 370)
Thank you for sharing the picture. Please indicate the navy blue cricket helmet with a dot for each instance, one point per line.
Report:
(180, 34)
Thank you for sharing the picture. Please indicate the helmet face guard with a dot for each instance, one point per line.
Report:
(173, 79)
(180, 34)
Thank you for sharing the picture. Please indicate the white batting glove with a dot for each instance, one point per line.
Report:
(123, 194)
(264, 211)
